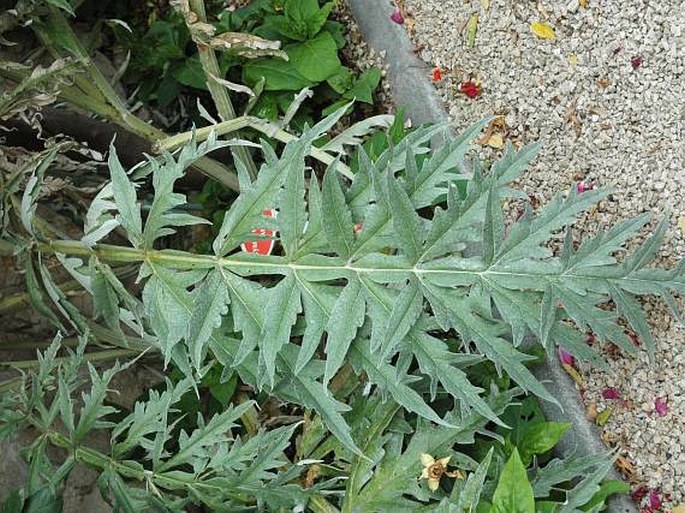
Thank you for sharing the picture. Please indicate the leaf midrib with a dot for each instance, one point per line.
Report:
(277, 265)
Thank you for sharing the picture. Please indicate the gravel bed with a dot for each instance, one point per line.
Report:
(607, 97)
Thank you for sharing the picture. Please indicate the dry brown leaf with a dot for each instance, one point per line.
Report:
(584, 3)
(410, 23)
(542, 30)
(571, 116)
(626, 468)
(313, 473)
(604, 82)
(591, 412)
(496, 141)
(612, 350)
(609, 438)
(494, 134)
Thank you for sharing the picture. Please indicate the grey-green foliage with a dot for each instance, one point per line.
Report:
(209, 464)
(380, 298)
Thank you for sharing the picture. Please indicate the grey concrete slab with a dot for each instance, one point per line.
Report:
(407, 74)
(411, 88)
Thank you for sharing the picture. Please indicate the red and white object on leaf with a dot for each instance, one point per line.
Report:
(265, 245)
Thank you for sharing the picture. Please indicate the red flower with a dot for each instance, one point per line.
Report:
(611, 393)
(635, 61)
(437, 74)
(470, 89)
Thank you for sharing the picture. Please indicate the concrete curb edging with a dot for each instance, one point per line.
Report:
(411, 87)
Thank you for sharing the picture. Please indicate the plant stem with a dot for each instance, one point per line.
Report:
(99, 97)
(109, 354)
(250, 418)
(168, 480)
(10, 384)
(219, 93)
(38, 344)
(14, 301)
(269, 129)
(319, 504)
(6, 248)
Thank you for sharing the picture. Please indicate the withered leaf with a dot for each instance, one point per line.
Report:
(542, 30)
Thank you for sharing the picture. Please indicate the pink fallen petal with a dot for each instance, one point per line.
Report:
(566, 357)
(660, 406)
(635, 61)
(396, 16)
(582, 187)
(611, 393)
(655, 501)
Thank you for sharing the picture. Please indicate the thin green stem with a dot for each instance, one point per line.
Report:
(319, 504)
(100, 356)
(97, 95)
(6, 248)
(15, 301)
(169, 481)
(329, 267)
(220, 95)
(38, 344)
(250, 418)
(10, 384)
(268, 129)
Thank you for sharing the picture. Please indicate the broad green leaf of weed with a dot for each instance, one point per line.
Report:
(514, 493)
(541, 438)
(315, 59)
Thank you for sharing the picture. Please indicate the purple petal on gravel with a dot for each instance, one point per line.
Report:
(611, 393)
(660, 406)
(655, 502)
(396, 16)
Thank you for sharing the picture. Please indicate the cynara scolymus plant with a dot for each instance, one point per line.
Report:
(377, 298)
(400, 276)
